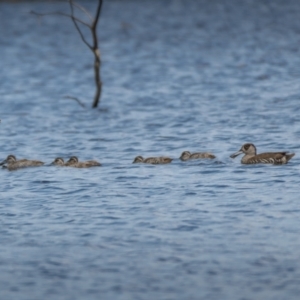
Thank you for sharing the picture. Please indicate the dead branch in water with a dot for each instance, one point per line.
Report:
(93, 46)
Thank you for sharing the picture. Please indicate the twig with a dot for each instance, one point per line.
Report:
(74, 19)
(76, 99)
(79, 7)
(58, 13)
(97, 14)
(83, 10)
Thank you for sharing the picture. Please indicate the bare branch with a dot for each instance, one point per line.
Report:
(83, 10)
(76, 99)
(79, 7)
(77, 27)
(58, 13)
(93, 45)
(97, 14)
(74, 19)
(97, 61)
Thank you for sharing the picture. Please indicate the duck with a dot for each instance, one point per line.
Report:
(58, 161)
(251, 157)
(186, 155)
(75, 163)
(153, 160)
(11, 163)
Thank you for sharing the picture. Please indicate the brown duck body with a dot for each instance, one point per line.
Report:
(153, 160)
(250, 157)
(75, 163)
(186, 155)
(11, 163)
(276, 158)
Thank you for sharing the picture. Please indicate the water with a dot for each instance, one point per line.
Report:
(177, 75)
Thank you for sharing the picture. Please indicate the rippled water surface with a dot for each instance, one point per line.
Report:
(177, 75)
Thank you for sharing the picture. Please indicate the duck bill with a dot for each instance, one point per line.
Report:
(236, 154)
(3, 163)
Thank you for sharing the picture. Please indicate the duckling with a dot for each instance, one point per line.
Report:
(250, 157)
(75, 163)
(186, 155)
(58, 161)
(153, 160)
(11, 163)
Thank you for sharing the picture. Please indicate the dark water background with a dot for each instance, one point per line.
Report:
(177, 75)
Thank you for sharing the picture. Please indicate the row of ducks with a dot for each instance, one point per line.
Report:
(250, 157)
(11, 162)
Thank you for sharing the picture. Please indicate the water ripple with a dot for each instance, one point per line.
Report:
(177, 75)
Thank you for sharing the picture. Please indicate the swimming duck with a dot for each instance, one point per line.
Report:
(153, 160)
(58, 161)
(75, 163)
(11, 163)
(250, 157)
(186, 155)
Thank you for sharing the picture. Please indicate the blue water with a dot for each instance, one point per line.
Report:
(177, 75)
